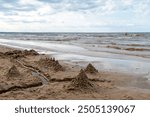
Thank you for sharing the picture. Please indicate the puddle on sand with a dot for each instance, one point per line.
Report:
(124, 65)
(72, 53)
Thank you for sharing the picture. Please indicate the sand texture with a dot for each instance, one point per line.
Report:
(26, 74)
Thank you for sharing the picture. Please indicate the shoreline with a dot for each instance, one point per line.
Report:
(108, 59)
(106, 84)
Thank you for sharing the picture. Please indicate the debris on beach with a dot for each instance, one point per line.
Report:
(13, 72)
(80, 82)
(52, 63)
(91, 69)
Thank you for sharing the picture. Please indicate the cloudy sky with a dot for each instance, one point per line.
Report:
(75, 15)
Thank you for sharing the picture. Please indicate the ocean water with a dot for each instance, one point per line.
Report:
(124, 52)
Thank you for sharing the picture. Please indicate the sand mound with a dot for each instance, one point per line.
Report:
(13, 72)
(30, 52)
(80, 82)
(91, 69)
(52, 63)
(14, 54)
(1, 55)
(19, 53)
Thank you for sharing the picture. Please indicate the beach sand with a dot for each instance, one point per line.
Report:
(25, 74)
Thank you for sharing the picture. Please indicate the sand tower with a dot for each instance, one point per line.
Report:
(91, 69)
(81, 81)
(13, 72)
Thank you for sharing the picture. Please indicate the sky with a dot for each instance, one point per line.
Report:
(74, 16)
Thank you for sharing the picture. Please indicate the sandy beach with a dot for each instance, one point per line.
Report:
(26, 74)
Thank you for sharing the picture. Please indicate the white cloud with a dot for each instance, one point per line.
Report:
(127, 2)
(142, 8)
(46, 9)
(6, 5)
(109, 6)
(71, 15)
(28, 2)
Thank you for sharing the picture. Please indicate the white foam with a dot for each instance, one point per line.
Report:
(75, 53)
(43, 45)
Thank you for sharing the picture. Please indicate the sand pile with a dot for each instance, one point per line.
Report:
(14, 53)
(30, 52)
(52, 63)
(19, 53)
(1, 55)
(13, 72)
(91, 69)
(80, 82)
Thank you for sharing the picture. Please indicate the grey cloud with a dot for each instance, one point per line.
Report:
(73, 5)
(3, 4)
(51, 1)
(8, 1)
(28, 20)
(57, 5)
(82, 5)
(11, 7)
(15, 10)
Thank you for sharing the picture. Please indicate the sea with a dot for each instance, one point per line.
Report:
(123, 52)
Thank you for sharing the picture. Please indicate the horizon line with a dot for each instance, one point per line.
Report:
(71, 32)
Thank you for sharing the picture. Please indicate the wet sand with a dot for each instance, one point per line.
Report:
(26, 74)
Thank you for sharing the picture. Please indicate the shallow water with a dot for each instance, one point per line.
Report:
(111, 52)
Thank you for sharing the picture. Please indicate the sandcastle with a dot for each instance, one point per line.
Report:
(30, 52)
(13, 72)
(80, 82)
(2, 55)
(91, 69)
(51, 62)
(19, 53)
